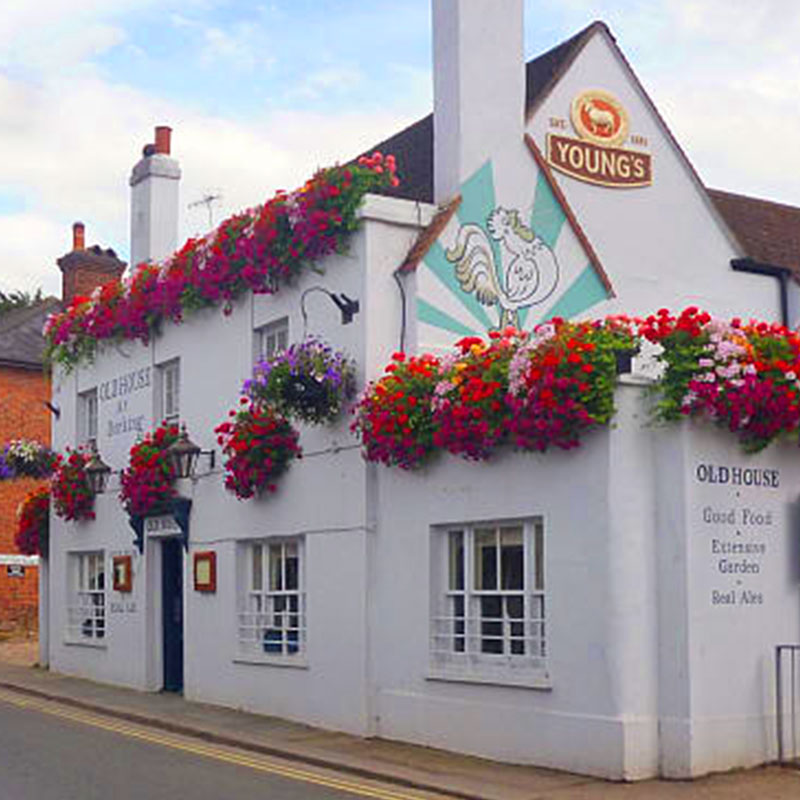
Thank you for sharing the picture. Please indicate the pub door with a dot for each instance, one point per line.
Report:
(172, 613)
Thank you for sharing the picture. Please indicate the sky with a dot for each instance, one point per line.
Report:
(259, 94)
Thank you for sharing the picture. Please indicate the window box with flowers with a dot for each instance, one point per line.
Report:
(532, 391)
(256, 250)
(743, 376)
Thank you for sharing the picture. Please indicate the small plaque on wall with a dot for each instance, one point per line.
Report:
(123, 573)
(205, 571)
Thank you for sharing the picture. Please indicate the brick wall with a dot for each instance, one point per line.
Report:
(83, 280)
(22, 415)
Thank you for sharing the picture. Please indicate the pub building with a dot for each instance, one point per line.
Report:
(626, 637)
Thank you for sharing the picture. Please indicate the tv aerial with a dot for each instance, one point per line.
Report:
(208, 199)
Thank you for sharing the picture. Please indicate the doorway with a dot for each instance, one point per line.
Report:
(172, 613)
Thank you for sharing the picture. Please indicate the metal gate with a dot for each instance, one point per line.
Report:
(787, 696)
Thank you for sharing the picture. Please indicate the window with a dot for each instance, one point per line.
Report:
(87, 420)
(272, 621)
(272, 339)
(87, 607)
(491, 599)
(170, 374)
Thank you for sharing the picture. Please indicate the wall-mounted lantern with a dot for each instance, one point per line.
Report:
(97, 472)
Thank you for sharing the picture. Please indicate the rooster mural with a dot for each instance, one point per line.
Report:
(498, 263)
(528, 272)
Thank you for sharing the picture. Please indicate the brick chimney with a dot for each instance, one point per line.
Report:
(154, 201)
(478, 87)
(83, 269)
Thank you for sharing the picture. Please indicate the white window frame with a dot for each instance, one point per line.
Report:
(482, 630)
(271, 339)
(170, 391)
(87, 620)
(88, 417)
(271, 623)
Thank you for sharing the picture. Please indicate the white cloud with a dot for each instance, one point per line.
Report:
(74, 143)
(30, 242)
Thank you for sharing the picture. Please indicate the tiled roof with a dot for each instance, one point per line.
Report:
(21, 340)
(768, 232)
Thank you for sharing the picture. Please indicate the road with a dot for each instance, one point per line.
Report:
(53, 752)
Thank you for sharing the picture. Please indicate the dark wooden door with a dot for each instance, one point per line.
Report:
(172, 613)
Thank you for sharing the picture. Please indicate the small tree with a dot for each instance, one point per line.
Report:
(9, 301)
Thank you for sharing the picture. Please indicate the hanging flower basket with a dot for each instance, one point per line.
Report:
(259, 445)
(24, 458)
(73, 498)
(148, 480)
(33, 523)
(309, 382)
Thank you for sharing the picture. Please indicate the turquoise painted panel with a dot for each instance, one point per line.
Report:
(547, 217)
(436, 261)
(433, 316)
(478, 201)
(547, 222)
(586, 290)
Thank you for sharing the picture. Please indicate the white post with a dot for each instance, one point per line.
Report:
(478, 86)
(154, 201)
(44, 613)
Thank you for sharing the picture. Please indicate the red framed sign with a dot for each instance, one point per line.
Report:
(205, 571)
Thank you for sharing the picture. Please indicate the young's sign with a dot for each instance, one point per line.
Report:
(602, 124)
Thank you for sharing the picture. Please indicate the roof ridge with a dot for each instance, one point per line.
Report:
(19, 316)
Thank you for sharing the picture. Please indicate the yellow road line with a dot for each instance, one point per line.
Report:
(230, 756)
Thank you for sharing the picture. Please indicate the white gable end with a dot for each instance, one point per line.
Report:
(662, 244)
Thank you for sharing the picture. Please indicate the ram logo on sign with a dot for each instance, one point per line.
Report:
(602, 124)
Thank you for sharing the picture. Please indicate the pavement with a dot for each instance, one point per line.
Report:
(412, 766)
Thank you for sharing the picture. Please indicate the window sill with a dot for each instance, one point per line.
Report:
(533, 679)
(271, 661)
(92, 645)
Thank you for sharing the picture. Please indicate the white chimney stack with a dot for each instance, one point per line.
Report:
(478, 86)
(154, 201)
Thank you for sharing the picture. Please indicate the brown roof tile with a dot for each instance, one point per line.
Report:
(21, 339)
(768, 232)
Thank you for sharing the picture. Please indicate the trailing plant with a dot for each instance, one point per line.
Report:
(25, 458)
(33, 523)
(258, 445)
(69, 487)
(258, 249)
(742, 376)
(469, 411)
(562, 380)
(308, 381)
(394, 417)
(531, 390)
(147, 483)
